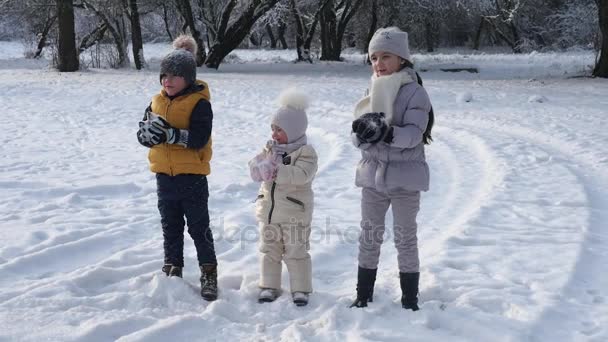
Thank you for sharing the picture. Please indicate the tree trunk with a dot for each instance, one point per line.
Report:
(136, 40)
(93, 37)
(233, 35)
(477, 41)
(372, 25)
(601, 68)
(253, 39)
(516, 37)
(328, 31)
(118, 33)
(332, 29)
(304, 33)
(429, 35)
(281, 33)
(68, 58)
(166, 20)
(43, 35)
(302, 56)
(273, 40)
(186, 11)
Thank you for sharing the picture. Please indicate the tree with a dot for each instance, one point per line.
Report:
(112, 15)
(333, 28)
(305, 31)
(373, 25)
(601, 67)
(34, 20)
(68, 58)
(228, 34)
(43, 35)
(426, 16)
(136, 41)
(184, 8)
(275, 17)
(574, 22)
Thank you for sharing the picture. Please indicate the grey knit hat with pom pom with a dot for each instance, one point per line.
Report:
(179, 63)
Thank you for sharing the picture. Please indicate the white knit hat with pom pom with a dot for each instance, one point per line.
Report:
(291, 116)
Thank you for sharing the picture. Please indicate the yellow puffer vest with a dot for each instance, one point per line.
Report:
(173, 159)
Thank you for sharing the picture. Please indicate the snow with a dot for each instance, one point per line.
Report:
(512, 234)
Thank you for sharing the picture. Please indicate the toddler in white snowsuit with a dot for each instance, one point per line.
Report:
(286, 167)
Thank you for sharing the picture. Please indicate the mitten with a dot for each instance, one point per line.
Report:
(254, 170)
(148, 135)
(370, 127)
(159, 125)
(268, 169)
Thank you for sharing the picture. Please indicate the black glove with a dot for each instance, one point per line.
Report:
(370, 127)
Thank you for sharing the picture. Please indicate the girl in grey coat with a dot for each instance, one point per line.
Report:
(286, 167)
(392, 124)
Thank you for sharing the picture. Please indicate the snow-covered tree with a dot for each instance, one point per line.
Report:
(335, 16)
(112, 14)
(575, 23)
(274, 25)
(306, 17)
(231, 26)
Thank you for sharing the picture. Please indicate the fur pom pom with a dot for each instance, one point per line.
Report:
(186, 42)
(294, 98)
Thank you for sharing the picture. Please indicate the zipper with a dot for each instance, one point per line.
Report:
(293, 200)
(274, 184)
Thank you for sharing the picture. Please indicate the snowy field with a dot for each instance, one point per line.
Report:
(513, 233)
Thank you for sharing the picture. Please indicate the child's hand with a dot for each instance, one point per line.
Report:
(268, 169)
(161, 126)
(148, 136)
(370, 127)
(274, 174)
(254, 170)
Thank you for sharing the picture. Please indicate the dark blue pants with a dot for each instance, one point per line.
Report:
(179, 196)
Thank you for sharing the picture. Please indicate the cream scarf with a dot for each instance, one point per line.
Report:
(382, 94)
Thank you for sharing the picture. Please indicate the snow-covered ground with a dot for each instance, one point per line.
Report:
(512, 234)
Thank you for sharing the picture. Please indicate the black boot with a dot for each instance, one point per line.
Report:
(172, 271)
(409, 290)
(209, 282)
(366, 277)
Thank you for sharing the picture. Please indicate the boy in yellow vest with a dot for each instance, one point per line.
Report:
(177, 129)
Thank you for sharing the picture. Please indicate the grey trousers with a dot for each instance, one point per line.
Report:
(288, 243)
(374, 205)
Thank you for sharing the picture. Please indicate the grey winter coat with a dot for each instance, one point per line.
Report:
(401, 164)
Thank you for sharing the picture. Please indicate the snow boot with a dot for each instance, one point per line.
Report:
(366, 277)
(300, 298)
(409, 290)
(209, 282)
(172, 271)
(268, 295)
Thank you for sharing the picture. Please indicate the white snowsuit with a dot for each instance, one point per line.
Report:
(284, 213)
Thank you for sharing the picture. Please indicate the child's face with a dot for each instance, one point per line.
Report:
(385, 63)
(173, 84)
(278, 134)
